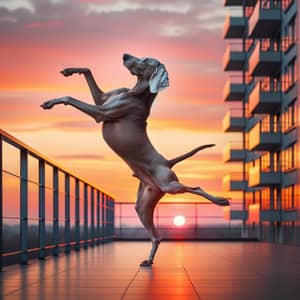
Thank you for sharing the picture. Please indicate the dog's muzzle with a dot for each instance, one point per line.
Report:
(127, 56)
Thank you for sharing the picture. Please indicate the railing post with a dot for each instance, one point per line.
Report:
(1, 202)
(86, 229)
(107, 211)
(120, 220)
(77, 215)
(112, 218)
(55, 212)
(42, 222)
(108, 217)
(103, 219)
(92, 218)
(98, 218)
(67, 213)
(24, 206)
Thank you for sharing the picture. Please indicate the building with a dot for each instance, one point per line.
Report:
(262, 61)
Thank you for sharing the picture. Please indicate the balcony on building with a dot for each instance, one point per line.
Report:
(234, 182)
(234, 89)
(239, 2)
(256, 214)
(234, 27)
(234, 152)
(265, 60)
(235, 214)
(290, 177)
(234, 58)
(265, 21)
(263, 177)
(234, 121)
(265, 97)
(262, 137)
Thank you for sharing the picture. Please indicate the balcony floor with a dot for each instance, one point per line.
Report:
(182, 270)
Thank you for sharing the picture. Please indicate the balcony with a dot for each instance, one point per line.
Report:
(265, 21)
(234, 182)
(234, 27)
(260, 178)
(234, 58)
(234, 89)
(290, 177)
(278, 215)
(234, 121)
(230, 214)
(265, 98)
(234, 152)
(258, 215)
(263, 138)
(265, 59)
(239, 2)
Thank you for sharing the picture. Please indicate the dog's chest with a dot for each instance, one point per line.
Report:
(114, 99)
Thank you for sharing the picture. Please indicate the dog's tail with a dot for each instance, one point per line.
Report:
(174, 161)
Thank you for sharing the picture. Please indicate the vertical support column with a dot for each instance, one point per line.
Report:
(55, 212)
(108, 217)
(92, 217)
(112, 218)
(103, 219)
(196, 220)
(77, 215)
(98, 218)
(24, 206)
(67, 213)
(86, 229)
(244, 76)
(120, 220)
(42, 212)
(1, 201)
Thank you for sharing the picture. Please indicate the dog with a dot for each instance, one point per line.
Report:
(124, 113)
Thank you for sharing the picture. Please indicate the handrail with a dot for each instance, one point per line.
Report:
(84, 217)
(20, 145)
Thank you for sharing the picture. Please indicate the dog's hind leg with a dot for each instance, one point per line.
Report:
(168, 182)
(148, 197)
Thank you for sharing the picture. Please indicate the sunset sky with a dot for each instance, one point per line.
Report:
(41, 37)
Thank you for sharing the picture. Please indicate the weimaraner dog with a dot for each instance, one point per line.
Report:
(124, 113)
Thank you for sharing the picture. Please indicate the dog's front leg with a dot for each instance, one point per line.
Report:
(88, 109)
(96, 92)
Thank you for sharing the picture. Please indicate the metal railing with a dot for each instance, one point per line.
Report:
(45, 209)
(197, 221)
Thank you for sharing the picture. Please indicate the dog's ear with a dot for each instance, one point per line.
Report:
(159, 79)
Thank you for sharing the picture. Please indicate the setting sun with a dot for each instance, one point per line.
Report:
(179, 220)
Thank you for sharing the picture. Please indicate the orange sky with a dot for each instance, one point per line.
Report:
(41, 37)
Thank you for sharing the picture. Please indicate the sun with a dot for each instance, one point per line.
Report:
(179, 220)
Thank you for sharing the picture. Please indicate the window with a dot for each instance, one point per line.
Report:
(287, 197)
(288, 158)
(290, 75)
(289, 117)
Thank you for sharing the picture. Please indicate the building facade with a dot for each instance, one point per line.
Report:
(262, 61)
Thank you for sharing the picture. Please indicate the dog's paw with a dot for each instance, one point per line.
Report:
(47, 104)
(67, 72)
(146, 263)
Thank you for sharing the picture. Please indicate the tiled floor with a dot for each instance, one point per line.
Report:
(182, 270)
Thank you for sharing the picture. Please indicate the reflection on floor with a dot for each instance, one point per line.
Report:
(182, 270)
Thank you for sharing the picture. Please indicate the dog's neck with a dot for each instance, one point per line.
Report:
(142, 90)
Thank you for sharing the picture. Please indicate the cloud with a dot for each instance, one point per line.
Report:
(17, 5)
(102, 7)
(47, 24)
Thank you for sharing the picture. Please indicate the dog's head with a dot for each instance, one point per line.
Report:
(149, 69)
